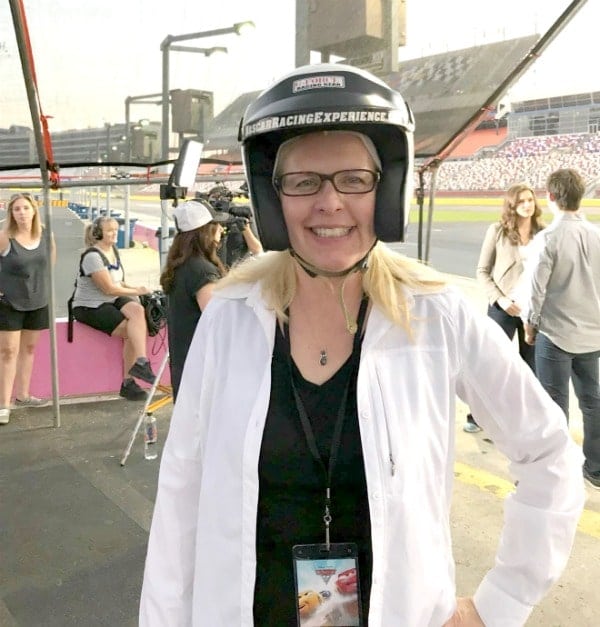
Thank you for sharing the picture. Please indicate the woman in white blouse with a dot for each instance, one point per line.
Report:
(500, 269)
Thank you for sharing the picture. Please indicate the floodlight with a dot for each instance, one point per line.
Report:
(241, 28)
(186, 166)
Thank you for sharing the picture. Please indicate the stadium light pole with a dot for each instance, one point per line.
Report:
(146, 99)
(166, 46)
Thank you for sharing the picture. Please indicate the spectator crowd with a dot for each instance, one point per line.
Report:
(528, 159)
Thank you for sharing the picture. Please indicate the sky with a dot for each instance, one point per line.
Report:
(91, 55)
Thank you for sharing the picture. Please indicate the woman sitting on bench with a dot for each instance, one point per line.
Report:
(104, 301)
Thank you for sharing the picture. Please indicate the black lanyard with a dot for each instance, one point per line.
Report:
(341, 415)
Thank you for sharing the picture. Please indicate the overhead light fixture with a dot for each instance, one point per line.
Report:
(242, 28)
(215, 50)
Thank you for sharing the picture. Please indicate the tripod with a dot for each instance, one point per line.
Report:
(150, 406)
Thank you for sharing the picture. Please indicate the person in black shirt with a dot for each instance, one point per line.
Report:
(192, 268)
(24, 256)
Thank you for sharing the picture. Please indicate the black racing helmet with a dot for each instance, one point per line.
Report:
(329, 97)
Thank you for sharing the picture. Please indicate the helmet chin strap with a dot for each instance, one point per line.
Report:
(361, 265)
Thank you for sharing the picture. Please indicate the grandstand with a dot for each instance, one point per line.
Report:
(444, 90)
(496, 174)
(541, 136)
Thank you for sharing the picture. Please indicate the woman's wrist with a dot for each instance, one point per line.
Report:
(504, 302)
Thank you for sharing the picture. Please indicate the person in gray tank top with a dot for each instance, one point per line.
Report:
(24, 255)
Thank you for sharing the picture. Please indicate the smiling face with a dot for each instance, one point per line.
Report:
(110, 231)
(308, 602)
(330, 230)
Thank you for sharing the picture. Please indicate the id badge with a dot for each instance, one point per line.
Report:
(327, 585)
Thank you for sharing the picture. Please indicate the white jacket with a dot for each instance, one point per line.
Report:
(201, 562)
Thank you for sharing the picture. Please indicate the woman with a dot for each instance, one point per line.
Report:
(504, 252)
(315, 417)
(103, 301)
(24, 256)
(190, 274)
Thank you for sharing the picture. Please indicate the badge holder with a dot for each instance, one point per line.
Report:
(327, 585)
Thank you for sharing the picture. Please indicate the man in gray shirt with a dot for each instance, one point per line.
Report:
(564, 310)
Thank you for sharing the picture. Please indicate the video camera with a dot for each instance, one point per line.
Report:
(221, 199)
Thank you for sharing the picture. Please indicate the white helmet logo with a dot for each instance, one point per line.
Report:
(318, 82)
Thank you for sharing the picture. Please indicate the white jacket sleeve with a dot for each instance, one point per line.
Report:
(540, 517)
(169, 572)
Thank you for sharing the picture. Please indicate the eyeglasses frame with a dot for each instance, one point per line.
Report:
(327, 177)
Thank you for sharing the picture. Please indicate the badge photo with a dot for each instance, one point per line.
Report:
(327, 585)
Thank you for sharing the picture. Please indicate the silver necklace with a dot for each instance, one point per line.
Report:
(351, 325)
(323, 357)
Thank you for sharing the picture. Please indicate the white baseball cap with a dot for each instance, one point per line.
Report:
(193, 214)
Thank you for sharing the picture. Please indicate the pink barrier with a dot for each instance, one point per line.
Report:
(91, 365)
(142, 233)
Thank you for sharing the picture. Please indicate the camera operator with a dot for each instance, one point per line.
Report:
(240, 239)
(191, 271)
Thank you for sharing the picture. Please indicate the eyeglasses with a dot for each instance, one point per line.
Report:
(310, 183)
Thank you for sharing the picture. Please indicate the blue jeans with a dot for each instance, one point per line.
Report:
(511, 325)
(554, 368)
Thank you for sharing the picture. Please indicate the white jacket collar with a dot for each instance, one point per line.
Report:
(251, 293)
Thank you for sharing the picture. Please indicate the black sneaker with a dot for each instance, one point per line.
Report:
(142, 370)
(132, 391)
(593, 478)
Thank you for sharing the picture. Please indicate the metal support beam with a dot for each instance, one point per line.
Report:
(391, 35)
(166, 46)
(302, 51)
(165, 124)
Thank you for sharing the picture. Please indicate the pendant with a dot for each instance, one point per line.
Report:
(323, 358)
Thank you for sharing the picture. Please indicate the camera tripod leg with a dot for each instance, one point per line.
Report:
(149, 407)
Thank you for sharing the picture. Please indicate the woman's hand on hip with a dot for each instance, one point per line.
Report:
(466, 615)
(509, 306)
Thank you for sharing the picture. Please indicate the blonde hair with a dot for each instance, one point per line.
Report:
(385, 281)
(36, 223)
(286, 146)
(88, 235)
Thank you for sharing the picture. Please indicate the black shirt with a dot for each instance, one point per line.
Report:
(183, 312)
(292, 485)
(23, 273)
